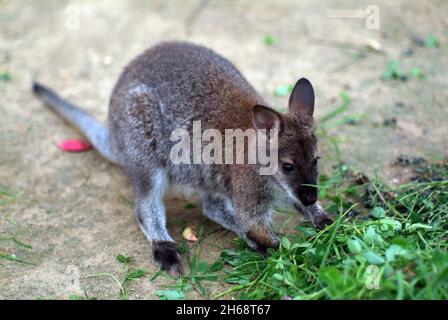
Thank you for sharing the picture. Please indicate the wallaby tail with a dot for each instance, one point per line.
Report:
(97, 134)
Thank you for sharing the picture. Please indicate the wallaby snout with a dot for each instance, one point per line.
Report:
(308, 197)
(308, 193)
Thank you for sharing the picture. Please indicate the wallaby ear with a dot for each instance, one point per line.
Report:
(301, 100)
(266, 118)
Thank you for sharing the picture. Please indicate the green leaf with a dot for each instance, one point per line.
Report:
(400, 285)
(5, 76)
(269, 40)
(354, 245)
(13, 257)
(333, 278)
(278, 276)
(396, 251)
(217, 266)
(301, 245)
(392, 65)
(432, 42)
(400, 241)
(170, 295)
(190, 206)
(391, 223)
(393, 71)
(307, 231)
(413, 227)
(134, 274)
(372, 237)
(387, 75)
(372, 258)
(285, 243)
(417, 73)
(440, 259)
(378, 213)
(330, 275)
(203, 267)
(319, 253)
(123, 259)
(280, 265)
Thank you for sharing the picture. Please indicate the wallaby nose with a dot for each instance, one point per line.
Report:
(308, 199)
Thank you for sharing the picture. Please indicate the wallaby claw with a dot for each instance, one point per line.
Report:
(261, 240)
(321, 222)
(318, 217)
(166, 255)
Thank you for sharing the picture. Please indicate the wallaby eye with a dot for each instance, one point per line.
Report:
(287, 168)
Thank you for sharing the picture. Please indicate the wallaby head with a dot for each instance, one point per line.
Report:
(298, 161)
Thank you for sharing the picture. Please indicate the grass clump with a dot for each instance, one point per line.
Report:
(387, 243)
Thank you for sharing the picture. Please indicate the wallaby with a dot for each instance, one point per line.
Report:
(171, 85)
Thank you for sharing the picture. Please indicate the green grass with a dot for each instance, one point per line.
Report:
(394, 248)
(196, 272)
(8, 195)
(12, 257)
(128, 275)
(386, 243)
(5, 77)
(269, 40)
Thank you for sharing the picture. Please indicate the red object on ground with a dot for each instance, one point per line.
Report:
(75, 145)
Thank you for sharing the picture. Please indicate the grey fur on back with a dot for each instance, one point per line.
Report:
(168, 87)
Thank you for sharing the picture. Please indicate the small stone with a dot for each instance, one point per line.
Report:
(407, 160)
(407, 52)
(390, 122)
(361, 179)
(107, 60)
(418, 41)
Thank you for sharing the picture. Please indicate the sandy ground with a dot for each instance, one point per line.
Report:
(75, 210)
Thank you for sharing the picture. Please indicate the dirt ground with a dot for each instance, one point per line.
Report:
(75, 210)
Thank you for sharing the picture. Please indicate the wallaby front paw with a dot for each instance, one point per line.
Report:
(322, 221)
(260, 239)
(166, 255)
(318, 217)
